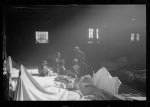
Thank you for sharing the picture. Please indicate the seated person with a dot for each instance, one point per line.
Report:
(76, 67)
(44, 70)
(61, 68)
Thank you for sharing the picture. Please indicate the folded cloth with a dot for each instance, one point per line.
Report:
(69, 82)
(103, 80)
(45, 81)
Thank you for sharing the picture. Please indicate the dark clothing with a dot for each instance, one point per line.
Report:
(81, 62)
(84, 69)
(80, 56)
(62, 70)
(6, 88)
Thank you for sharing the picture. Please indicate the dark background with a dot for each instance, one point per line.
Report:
(68, 27)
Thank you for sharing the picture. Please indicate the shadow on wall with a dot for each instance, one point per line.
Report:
(122, 68)
(120, 63)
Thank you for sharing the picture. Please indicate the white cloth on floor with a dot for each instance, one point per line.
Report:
(103, 80)
(29, 89)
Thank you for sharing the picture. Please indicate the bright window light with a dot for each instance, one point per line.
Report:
(97, 33)
(41, 37)
(91, 31)
(132, 36)
(137, 37)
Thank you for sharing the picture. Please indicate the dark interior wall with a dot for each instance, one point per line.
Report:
(68, 27)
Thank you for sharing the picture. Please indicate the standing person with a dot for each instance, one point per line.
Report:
(62, 68)
(56, 61)
(80, 56)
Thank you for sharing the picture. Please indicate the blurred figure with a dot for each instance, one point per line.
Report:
(43, 70)
(80, 56)
(58, 57)
(61, 67)
(76, 67)
(56, 61)
(73, 75)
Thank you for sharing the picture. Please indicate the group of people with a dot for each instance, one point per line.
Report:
(78, 67)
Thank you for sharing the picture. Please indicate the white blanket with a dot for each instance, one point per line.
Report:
(29, 89)
(103, 80)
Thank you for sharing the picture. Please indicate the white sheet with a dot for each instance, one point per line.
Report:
(103, 80)
(29, 89)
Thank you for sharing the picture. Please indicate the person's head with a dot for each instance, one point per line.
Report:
(76, 49)
(44, 62)
(75, 61)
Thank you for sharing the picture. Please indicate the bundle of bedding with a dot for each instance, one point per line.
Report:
(50, 88)
(69, 83)
(102, 86)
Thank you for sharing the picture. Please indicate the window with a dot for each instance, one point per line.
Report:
(132, 37)
(91, 31)
(41, 37)
(136, 36)
(97, 33)
(93, 35)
